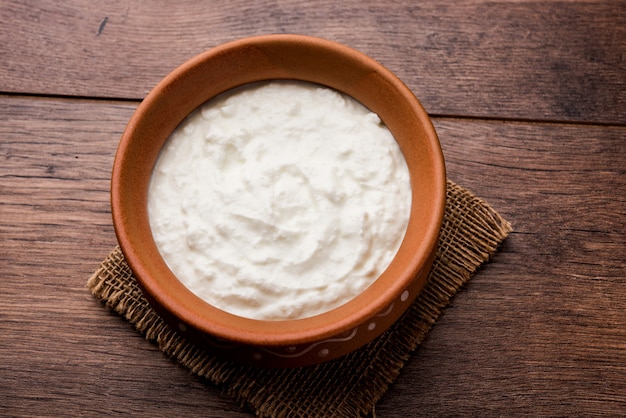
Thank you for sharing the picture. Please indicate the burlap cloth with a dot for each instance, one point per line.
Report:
(347, 387)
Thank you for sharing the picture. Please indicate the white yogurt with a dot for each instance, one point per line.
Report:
(279, 200)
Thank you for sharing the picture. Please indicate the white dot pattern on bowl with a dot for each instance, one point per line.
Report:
(291, 353)
(295, 351)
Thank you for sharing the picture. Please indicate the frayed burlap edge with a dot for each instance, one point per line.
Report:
(351, 386)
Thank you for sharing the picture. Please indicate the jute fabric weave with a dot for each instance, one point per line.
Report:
(350, 386)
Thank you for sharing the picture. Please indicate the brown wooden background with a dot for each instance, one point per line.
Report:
(528, 98)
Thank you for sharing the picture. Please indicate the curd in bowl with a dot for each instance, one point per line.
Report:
(279, 200)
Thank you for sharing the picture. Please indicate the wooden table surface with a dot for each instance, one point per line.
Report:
(528, 98)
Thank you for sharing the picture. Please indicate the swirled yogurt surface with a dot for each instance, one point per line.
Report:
(279, 200)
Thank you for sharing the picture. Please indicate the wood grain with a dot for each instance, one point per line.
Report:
(61, 353)
(551, 60)
(540, 331)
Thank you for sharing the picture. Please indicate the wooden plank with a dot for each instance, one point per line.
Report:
(61, 352)
(547, 60)
(540, 331)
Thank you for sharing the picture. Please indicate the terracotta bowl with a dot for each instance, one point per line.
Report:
(288, 343)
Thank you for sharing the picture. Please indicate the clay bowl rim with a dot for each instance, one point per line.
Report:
(258, 58)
